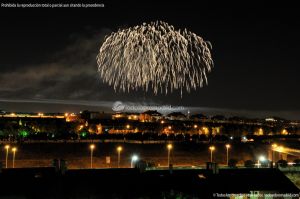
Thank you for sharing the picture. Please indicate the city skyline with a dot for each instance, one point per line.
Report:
(135, 99)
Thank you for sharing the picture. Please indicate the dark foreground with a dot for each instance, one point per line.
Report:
(132, 183)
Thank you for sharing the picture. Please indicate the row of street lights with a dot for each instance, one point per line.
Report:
(134, 158)
(119, 149)
(14, 149)
(213, 148)
(92, 148)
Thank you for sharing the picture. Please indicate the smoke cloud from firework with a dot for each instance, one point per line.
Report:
(156, 56)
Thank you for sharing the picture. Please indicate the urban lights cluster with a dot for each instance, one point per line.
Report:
(13, 150)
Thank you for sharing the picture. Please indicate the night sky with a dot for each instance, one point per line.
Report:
(48, 57)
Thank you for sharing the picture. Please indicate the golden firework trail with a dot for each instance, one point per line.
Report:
(154, 55)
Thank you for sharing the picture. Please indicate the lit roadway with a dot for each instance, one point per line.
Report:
(287, 150)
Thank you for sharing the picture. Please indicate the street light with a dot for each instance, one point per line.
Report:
(92, 147)
(274, 146)
(119, 149)
(280, 149)
(169, 147)
(134, 158)
(260, 159)
(14, 149)
(227, 152)
(6, 158)
(211, 148)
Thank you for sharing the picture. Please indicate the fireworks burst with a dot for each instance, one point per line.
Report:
(155, 56)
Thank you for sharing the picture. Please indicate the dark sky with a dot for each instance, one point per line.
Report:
(48, 57)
